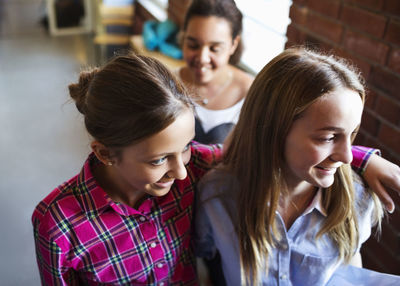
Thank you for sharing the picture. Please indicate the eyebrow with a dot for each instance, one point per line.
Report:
(330, 128)
(166, 154)
(336, 129)
(192, 39)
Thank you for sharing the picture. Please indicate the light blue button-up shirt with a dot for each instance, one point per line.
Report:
(298, 259)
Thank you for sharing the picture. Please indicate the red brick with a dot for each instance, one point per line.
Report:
(370, 123)
(389, 238)
(388, 154)
(364, 20)
(369, 261)
(392, 6)
(360, 139)
(394, 60)
(290, 44)
(365, 46)
(385, 81)
(375, 4)
(390, 137)
(298, 15)
(317, 43)
(329, 8)
(294, 35)
(371, 99)
(386, 258)
(389, 109)
(394, 218)
(325, 27)
(300, 2)
(393, 33)
(360, 64)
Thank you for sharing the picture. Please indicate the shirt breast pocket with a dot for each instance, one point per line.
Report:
(308, 269)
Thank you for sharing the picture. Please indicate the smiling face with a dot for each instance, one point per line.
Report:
(152, 165)
(320, 140)
(207, 47)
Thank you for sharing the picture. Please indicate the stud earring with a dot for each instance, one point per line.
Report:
(109, 163)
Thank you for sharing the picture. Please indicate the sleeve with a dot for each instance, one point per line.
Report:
(50, 258)
(203, 158)
(361, 157)
(203, 237)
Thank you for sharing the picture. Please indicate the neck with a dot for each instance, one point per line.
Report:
(293, 203)
(115, 188)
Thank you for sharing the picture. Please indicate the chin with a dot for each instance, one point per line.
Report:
(325, 183)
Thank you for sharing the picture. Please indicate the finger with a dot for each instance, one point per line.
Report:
(394, 180)
(384, 197)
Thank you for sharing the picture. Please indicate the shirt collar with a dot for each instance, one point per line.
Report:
(95, 200)
(316, 203)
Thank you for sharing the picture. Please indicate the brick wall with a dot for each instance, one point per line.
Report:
(368, 33)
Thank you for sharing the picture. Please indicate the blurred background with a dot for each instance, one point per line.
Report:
(45, 43)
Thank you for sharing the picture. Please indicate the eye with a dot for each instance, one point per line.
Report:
(192, 46)
(187, 147)
(328, 139)
(215, 49)
(158, 162)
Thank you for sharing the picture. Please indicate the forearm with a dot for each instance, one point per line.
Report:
(361, 157)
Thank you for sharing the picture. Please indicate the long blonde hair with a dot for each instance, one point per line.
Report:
(284, 88)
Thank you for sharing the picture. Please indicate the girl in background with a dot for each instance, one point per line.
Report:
(282, 209)
(211, 47)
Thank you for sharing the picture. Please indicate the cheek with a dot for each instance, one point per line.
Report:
(220, 60)
(142, 175)
(188, 54)
(302, 156)
(186, 157)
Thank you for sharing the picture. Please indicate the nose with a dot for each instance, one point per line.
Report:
(204, 55)
(343, 152)
(177, 169)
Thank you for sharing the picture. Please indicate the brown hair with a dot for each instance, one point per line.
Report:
(129, 99)
(280, 93)
(225, 9)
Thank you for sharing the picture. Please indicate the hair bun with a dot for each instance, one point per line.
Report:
(78, 91)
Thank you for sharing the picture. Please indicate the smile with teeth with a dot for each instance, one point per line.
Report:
(327, 169)
(165, 184)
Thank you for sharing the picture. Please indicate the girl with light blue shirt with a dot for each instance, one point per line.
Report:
(283, 209)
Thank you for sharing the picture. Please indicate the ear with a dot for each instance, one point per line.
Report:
(235, 44)
(102, 152)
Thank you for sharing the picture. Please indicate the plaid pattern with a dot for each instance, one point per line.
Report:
(82, 237)
(361, 157)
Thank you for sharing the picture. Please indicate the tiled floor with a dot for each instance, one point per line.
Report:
(42, 141)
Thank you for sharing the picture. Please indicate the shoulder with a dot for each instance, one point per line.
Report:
(177, 72)
(368, 210)
(363, 197)
(56, 208)
(206, 153)
(217, 183)
(242, 79)
(203, 158)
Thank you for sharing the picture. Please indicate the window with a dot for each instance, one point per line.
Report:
(264, 31)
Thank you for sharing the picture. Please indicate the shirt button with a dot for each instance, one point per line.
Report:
(160, 265)
(153, 244)
(142, 218)
(283, 276)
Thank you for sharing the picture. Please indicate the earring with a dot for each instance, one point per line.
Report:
(109, 163)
